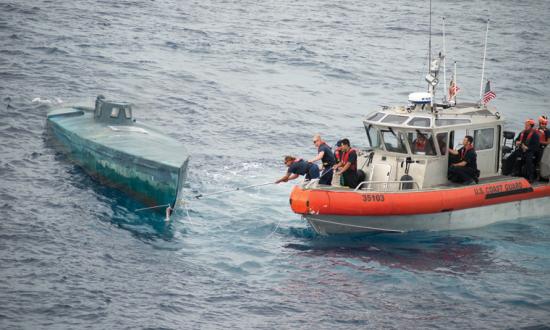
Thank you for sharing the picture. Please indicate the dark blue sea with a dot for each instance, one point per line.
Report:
(242, 84)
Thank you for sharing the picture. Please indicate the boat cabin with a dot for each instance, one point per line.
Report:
(113, 113)
(411, 143)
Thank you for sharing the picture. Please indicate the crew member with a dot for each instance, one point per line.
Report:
(338, 151)
(347, 166)
(423, 145)
(419, 144)
(544, 136)
(527, 148)
(544, 132)
(326, 157)
(297, 167)
(465, 170)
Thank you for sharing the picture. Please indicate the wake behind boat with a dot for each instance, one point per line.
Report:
(108, 143)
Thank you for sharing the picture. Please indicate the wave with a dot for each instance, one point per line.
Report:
(50, 50)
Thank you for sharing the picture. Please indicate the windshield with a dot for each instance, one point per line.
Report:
(394, 141)
(373, 135)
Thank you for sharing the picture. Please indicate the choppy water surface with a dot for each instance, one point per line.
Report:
(242, 84)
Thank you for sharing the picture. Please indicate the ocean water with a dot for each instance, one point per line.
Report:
(242, 84)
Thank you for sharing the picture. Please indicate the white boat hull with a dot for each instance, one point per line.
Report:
(453, 220)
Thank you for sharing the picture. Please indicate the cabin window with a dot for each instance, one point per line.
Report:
(114, 112)
(373, 136)
(483, 138)
(419, 122)
(376, 117)
(442, 142)
(394, 142)
(457, 137)
(395, 119)
(421, 143)
(127, 113)
(450, 122)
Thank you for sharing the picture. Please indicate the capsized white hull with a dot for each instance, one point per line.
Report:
(460, 219)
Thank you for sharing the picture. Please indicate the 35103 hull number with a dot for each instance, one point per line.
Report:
(373, 198)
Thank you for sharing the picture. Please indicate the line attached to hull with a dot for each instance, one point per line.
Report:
(358, 226)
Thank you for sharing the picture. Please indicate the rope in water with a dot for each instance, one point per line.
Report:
(233, 189)
(219, 192)
(274, 230)
(188, 215)
(185, 203)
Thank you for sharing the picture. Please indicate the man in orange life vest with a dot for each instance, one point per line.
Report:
(326, 156)
(297, 167)
(465, 170)
(347, 166)
(419, 145)
(527, 147)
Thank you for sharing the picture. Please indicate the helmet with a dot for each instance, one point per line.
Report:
(543, 120)
(530, 122)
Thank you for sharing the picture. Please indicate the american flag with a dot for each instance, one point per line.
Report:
(453, 89)
(489, 94)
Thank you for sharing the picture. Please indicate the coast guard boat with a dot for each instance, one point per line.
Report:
(108, 143)
(407, 190)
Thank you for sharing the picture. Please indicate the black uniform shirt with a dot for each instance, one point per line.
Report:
(470, 157)
(328, 157)
(300, 167)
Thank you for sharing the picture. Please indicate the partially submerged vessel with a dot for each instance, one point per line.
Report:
(108, 143)
(407, 190)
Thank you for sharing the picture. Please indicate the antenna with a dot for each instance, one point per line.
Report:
(433, 66)
(483, 63)
(444, 65)
(430, 40)
(430, 81)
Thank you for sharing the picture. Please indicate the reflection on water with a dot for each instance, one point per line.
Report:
(439, 252)
(117, 208)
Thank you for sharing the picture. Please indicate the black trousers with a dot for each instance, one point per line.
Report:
(326, 176)
(524, 164)
(350, 178)
(460, 174)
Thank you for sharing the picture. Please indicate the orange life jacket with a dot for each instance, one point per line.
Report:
(420, 146)
(541, 134)
(345, 158)
(531, 132)
(338, 153)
